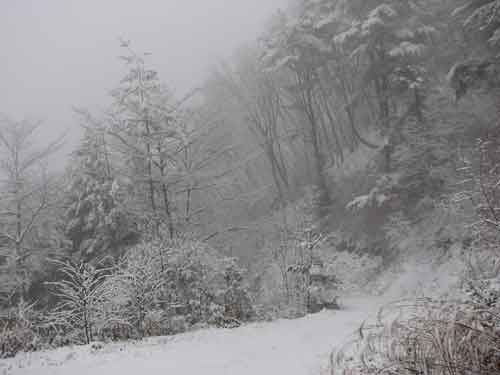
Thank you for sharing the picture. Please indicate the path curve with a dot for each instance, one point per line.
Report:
(292, 347)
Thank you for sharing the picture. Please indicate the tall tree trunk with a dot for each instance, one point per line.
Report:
(279, 180)
(166, 202)
(164, 190)
(188, 204)
(19, 259)
(419, 114)
(149, 167)
(340, 150)
(323, 199)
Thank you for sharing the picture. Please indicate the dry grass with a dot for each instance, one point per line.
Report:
(425, 337)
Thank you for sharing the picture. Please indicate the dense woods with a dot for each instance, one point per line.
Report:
(350, 138)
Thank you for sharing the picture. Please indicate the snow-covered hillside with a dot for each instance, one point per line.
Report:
(292, 347)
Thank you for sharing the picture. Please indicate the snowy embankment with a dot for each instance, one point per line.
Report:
(292, 347)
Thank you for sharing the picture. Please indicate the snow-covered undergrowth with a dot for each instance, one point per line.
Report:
(443, 320)
(300, 346)
(423, 275)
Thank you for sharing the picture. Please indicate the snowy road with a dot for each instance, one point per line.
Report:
(292, 347)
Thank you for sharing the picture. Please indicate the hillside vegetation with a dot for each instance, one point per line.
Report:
(351, 140)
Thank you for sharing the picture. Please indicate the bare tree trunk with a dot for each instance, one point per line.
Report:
(340, 150)
(306, 96)
(171, 229)
(188, 203)
(86, 324)
(149, 167)
(419, 114)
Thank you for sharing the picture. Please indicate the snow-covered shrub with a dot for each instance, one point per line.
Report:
(81, 295)
(377, 197)
(284, 282)
(352, 271)
(154, 323)
(237, 304)
(134, 289)
(480, 192)
(117, 330)
(481, 279)
(308, 284)
(177, 324)
(165, 287)
(209, 288)
(435, 226)
(193, 277)
(297, 274)
(19, 330)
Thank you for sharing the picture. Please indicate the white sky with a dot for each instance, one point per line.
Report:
(56, 54)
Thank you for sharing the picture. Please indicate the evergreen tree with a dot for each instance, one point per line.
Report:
(481, 68)
(483, 17)
(97, 223)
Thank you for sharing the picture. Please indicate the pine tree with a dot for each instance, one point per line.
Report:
(483, 17)
(392, 39)
(136, 288)
(97, 223)
(481, 68)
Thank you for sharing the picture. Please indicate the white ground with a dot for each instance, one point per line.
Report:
(291, 347)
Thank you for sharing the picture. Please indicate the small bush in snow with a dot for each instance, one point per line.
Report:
(81, 296)
(165, 287)
(19, 330)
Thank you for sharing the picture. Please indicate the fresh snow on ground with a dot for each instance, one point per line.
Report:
(292, 347)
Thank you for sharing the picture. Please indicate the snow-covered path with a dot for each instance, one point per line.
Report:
(292, 347)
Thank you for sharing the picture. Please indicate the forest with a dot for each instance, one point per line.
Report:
(351, 139)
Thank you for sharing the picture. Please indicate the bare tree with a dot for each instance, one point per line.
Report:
(258, 96)
(27, 193)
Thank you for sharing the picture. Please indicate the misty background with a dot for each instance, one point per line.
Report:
(60, 54)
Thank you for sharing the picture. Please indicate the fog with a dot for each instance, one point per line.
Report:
(326, 201)
(58, 54)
